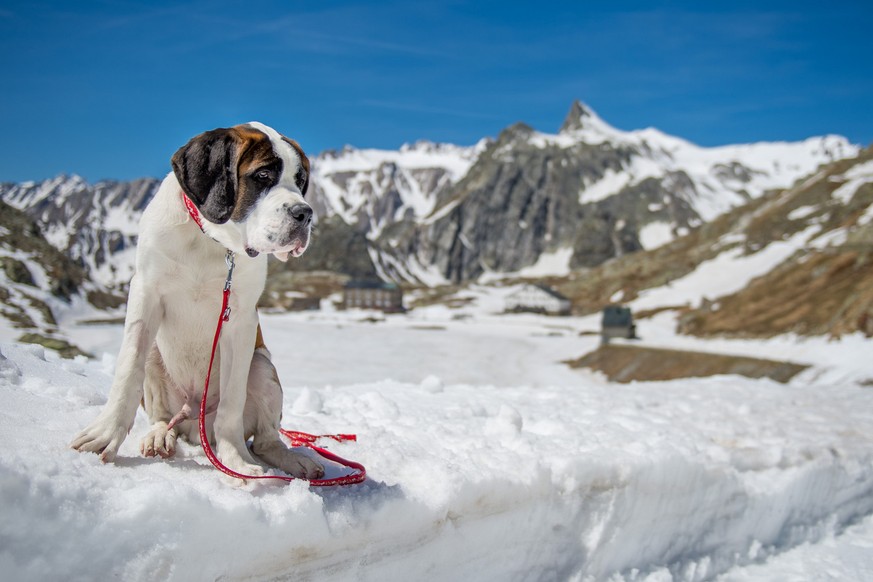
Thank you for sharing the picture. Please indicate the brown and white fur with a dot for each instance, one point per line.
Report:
(248, 182)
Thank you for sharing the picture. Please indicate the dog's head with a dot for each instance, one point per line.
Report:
(248, 182)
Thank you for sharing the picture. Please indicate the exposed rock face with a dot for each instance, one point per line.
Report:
(535, 202)
(518, 202)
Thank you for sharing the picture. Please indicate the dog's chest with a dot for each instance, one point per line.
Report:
(191, 298)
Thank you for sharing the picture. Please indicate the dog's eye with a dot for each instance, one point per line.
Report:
(263, 175)
(300, 178)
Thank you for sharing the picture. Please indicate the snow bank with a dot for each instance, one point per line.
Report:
(582, 480)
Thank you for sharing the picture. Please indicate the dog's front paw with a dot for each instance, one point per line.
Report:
(103, 436)
(295, 464)
(300, 466)
(159, 442)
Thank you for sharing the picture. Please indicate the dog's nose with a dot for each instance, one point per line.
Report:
(302, 213)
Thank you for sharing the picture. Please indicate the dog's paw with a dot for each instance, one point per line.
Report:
(103, 436)
(295, 464)
(233, 460)
(300, 466)
(159, 442)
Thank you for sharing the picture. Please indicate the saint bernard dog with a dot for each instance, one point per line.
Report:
(248, 183)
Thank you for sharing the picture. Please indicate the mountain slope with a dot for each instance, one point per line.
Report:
(91, 223)
(793, 261)
(39, 285)
(826, 285)
(583, 196)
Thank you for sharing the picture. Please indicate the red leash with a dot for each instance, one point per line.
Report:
(298, 439)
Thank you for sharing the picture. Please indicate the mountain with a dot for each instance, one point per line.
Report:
(537, 204)
(90, 223)
(525, 204)
(40, 286)
(797, 260)
(372, 189)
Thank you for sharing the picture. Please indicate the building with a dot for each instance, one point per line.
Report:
(387, 297)
(537, 299)
(617, 321)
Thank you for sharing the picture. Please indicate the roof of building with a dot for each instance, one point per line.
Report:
(616, 315)
(370, 284)
(544, 288)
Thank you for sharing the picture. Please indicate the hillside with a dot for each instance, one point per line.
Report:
(38, 284)
(826, 285)
(792, 261)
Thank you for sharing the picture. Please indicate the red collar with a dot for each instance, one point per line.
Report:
(192, 211)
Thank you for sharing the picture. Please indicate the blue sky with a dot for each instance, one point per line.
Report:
(111, 89)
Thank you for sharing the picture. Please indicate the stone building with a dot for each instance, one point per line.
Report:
(537, 299)
(387, 297)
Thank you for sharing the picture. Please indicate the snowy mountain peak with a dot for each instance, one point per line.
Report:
(577, 118)
(583, 123)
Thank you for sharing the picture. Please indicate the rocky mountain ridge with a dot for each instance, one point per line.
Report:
(525, 204)
(539, 204)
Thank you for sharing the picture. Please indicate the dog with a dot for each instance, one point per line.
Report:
(247, 184)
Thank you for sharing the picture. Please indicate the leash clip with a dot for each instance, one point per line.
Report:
(228, 259)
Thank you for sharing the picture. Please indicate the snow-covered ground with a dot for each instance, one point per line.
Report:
(488, 459)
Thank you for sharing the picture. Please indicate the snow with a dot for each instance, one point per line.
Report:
(858, 175)
(655, 234)
(487, 457)
(353, 179)
(844, 557)
(555, 263)
(802, 212)
(727, 273)
(611, 183)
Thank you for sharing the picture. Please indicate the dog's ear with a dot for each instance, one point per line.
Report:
(302, 177)
(206, 168)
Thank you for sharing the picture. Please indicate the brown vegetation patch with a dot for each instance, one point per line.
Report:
(64, 348)
(825, 293)
(284, 289)
(631, 363)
